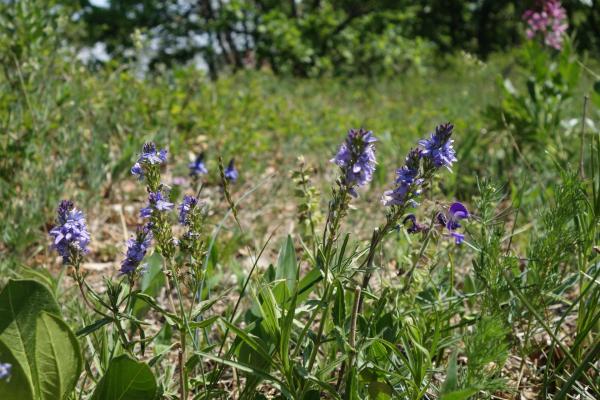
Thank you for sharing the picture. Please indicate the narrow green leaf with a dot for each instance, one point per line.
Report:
(250, 370)
(249, 340)
(94, 326)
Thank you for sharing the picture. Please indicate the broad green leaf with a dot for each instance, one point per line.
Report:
(47, 360)
(380, 391)
(126, 379)
(17, 387)
(57, 355)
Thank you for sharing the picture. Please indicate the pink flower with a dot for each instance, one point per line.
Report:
(550, 22)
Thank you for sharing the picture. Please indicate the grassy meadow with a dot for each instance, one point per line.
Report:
(281, 284)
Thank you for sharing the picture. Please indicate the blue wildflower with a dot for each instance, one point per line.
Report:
(136, 250)
(407, 182)
(188, 204)
(5, 370)
(156, 201)
(456, 212)
(438, 148)
(231, 174)
(197, 167)
(71, 233)
(356, 158)
(150, 156)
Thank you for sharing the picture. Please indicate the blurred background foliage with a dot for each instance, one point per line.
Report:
(308, 37)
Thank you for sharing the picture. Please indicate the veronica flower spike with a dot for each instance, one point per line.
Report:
(71, 236)
(356, 159)
(150, 156)
(231, 174)
(188, 204)
(438, 148)
(408, 184)
(136, 250)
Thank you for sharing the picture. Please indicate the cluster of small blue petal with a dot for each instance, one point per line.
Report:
(189, 202)
(438, 148)
(156, 201)
(136, 249)
(356, 158)
(150, 156)
(5, 369)
(71, 234)
(407, 181)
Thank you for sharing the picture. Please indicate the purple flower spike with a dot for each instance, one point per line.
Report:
(188, 204)
(438, 148)
(150, 156)
(71, 233)
(407, 182)
(197, 167)
(5, 370)
(231, 174)
(136, 250)
(356, 158)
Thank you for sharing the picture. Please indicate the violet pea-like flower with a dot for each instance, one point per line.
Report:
(456, 212)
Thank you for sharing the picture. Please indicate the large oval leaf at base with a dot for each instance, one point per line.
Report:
(126, 379)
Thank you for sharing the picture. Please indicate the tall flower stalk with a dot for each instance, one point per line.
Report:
(420, 166)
